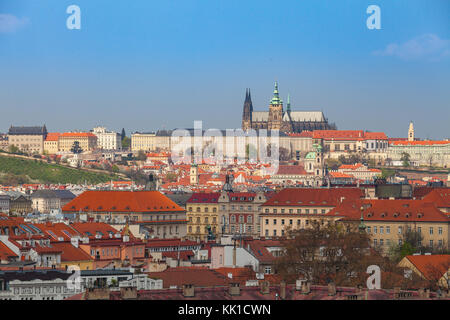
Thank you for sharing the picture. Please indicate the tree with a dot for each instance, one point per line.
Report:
(76, 149)
(126, 142)
(141, 156)
(13, 149)
(322, 253)
(405, 158)
(411, 242)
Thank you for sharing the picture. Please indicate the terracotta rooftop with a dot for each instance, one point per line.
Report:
(327, 197)
(122, 201)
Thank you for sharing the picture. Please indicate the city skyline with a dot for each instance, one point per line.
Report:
(145, 66)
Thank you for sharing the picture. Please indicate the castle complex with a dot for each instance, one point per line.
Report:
(277, 119)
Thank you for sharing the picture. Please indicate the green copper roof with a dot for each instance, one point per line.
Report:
(310, 155)
(276, 96)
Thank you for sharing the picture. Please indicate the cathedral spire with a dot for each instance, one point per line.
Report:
(288, 107)
(276, 96)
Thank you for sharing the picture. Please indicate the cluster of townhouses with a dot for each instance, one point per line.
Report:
(144, 245)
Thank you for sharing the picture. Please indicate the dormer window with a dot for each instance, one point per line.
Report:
(370, 214)
(420, 215)
(396, 215)
(383, 214)
(407, 215)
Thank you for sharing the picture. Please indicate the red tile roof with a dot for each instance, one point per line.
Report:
(6, 253)
(52, 136)
(78, 134)
(291, 170)
(419, 143)
(122, 201)
(197, 276)
(314, 196)
(211, 197)
(389, 210)
(71, 253)
(93, 228)
(432, 267)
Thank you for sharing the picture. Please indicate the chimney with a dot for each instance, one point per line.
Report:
(331, 289)
(306, 287)
(188, 290)
(265, 289)
(235, 289)
(283, 290)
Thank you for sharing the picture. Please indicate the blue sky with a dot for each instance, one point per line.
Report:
(145, 65)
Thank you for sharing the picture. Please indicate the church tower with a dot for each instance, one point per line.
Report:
(193, 174)
(248, 109)
(411, 132)
(275, 111)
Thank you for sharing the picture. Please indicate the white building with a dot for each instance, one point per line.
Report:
(107, 140)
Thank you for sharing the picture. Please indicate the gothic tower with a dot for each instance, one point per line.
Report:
(411, 132)
(248, 109)
(275, 111)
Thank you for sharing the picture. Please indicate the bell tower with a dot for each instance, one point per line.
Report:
(411, 132)
(275, 111)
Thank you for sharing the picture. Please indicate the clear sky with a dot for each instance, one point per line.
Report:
(144, 65)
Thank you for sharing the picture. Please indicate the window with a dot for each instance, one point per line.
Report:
(268, 270)
(290, 222)
(375, 230)
(440, 230)
(267, 221)
(400, 230)
(274, 210)
(206, 209)
(267, 233)
(266, 210)
(291, 210)
(306, 210)
(381, 242)
(249, 219)
(431, 243)
(274, 233)
(282, 210)
(299, 210)
(369, 229)
(282, 232)
(282, 221)
(431, 230)
(388, 230)
(375, 242)
(419, 230)
(381, 230)
(274, 221)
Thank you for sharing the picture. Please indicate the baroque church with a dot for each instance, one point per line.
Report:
(277, 119)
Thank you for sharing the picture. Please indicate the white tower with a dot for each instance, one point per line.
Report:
(411, 132)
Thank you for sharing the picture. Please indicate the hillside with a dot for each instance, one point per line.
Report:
(17, 170)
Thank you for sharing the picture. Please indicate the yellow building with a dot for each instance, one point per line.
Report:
(87, 141)
(51, 144)
(388, 221)
(202, 213)
(299, 208)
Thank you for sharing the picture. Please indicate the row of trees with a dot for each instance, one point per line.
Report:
(341, 253)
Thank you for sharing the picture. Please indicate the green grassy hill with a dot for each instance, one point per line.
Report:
(17, 171)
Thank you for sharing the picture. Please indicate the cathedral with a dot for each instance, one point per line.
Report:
(277, 119)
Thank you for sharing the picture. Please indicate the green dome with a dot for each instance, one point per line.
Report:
(311, 155)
